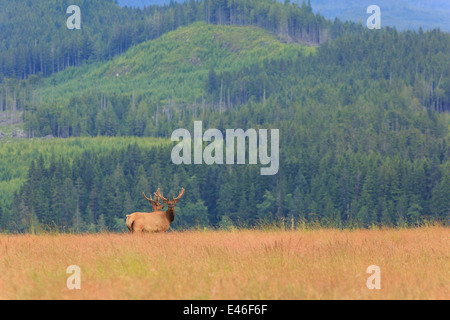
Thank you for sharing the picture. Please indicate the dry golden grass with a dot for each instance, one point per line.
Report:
(319, 264)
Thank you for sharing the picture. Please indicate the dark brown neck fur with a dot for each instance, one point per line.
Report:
(170, 214)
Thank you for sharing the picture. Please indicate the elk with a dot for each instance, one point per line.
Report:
(155, 203)
(157, 206)
(159, 221)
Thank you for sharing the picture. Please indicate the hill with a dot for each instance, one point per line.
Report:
(212, 67)
(175, 65)
(150, 82)
(402, 14)
(35, 40)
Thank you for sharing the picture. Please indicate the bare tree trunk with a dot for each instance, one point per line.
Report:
(157, 114)
(203, 108)
(195, 107)
(220, 101)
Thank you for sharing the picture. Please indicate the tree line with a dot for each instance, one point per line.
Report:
(95, 192)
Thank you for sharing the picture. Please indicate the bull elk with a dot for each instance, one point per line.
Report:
(159, 221)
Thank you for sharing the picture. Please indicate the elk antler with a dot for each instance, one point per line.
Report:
(154, 202)
(158, 193)
(179, 197)
(174, 200)
(151, 200)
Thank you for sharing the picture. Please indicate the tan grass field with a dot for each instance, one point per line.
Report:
(315, 264)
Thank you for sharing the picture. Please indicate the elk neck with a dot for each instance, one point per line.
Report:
(170, 213)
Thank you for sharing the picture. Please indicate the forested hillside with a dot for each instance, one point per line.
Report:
(203, 71)
(401, 14)
(34, 39)
(363, 118)
(143, 91)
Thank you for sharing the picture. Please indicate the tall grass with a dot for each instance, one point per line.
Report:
(239, 264)
(267, 225)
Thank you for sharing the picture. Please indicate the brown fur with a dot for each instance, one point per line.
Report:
(144, 222)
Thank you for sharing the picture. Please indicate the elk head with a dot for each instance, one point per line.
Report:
(170, 203)
(155, 203)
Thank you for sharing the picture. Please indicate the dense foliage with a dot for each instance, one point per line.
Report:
(353, 189)
(363, 119)
(199, 70)
(17, 155)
